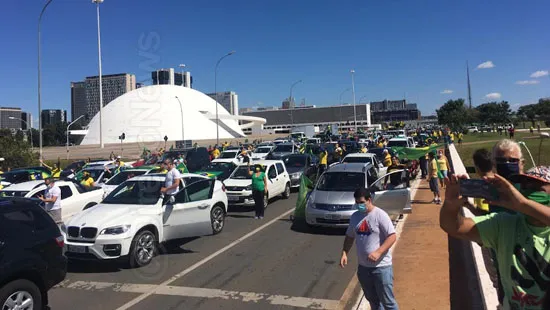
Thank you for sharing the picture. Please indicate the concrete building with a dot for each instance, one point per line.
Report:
(114, 85)
(52, 117)
(79, 104)
(171, 77)
(267, 108)
(288, 103)
(10, 118)
(229, 100)
(26, 120)
(388, 105)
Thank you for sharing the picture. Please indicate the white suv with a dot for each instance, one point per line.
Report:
(135, 217)
(239, 184)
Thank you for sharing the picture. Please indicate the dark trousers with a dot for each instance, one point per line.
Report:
(322, 168)
(258, 202)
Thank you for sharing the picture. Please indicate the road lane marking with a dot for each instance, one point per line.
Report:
(198, 292)
(202, 262)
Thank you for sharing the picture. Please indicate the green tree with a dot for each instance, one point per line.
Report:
(455, 114)
(528, 112)
(494, 112)
(15, 150)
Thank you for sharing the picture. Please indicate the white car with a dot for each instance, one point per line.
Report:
(74, 197)
(231, 156)
(122, 176)
(261, 152)
(401, 142)
(131, 221)
(473, 129)
(366, 158)
(239, 184)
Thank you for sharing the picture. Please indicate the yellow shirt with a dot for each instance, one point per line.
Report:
(56, 172)
(442, 163)
(323, 158)
(87, 182)
(387, 160)
(478, 203)
(364, 150)
(433, 168)
(460, 136)
(216, 153)
(163, 171)
(380, 144)
(452, 136)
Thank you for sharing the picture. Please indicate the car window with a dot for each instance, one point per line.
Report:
(272, 174)
(372, 176)
(66, 192)
(201, 190)
(341, 181)
(29, 218)
(280, 168)
(39, 193)
(192, 180)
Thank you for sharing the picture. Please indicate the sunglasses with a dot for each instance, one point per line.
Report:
(503, 160)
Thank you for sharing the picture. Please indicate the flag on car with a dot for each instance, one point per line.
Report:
(306, 186)
(182, 168)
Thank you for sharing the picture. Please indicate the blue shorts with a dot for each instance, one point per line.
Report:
(434, 186)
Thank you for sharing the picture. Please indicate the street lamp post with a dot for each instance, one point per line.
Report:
(182, 77)
(353, 94)
(28, 128)
(216, 95)
(68, 126)
(101, 145)
(292, 106)
(40, 80)
(182, 126)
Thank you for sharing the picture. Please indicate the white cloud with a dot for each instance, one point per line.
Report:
(527, 82)
(447, 91)
(486, 65)
(493, 96)
(539, 74)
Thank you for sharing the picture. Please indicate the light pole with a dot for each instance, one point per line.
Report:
(182, 126)
(182, 77)
(68, 126)
(353, 94)
(216, 93)
(28, 128)
(101, 145)
(40, 81)
(292, 106)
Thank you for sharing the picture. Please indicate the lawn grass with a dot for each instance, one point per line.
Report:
(466, 150)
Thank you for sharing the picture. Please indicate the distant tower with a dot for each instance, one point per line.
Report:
(469, 87)
(303, 104)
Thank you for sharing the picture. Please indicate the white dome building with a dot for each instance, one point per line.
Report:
(149, 113)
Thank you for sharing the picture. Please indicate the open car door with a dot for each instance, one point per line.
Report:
(393, 198)
(189, 215)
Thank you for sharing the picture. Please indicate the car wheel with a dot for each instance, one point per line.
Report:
(286, 193)
(20, 294)
(217, 218)
(143, 249)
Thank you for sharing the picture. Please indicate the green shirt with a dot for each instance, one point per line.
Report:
(258, 182)
(523, 255)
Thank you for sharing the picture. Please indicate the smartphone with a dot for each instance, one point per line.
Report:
(477, 188)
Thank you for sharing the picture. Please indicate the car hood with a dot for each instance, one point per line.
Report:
(107, 215)
(237, 182)
(278, 155)
(341, 198)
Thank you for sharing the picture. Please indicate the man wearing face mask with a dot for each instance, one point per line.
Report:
(521, 240)
(374, 234)
(508, 161)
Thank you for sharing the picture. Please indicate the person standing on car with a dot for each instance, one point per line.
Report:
(374, 234)
(323, 160)
(52, 200)
(259, 189)
(387, 158)
(173, 178)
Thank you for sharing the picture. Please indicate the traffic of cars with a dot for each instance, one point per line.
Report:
(122, 216)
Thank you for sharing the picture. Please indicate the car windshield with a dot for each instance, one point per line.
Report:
(123, 176)
(283, 148)
(358, 159)
(263, 150)
(135, 193)
(341, 181)
(15, 177)
(295, 161)
(219, 167)
(241, 173)
(228, 154)
(94, 173)
(8, 193)
(398, 143)
(172, 155)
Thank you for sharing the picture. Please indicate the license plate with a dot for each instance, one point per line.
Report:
(233, 198)
(77, 249)
(332, 216)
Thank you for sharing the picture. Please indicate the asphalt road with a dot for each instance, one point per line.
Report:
(252, 264)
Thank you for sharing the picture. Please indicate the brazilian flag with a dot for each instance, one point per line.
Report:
(416, 152)
(306, 186)
(182, 168)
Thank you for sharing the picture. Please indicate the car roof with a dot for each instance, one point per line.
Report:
(399, 139)
(350, 167)
(361, 155)
(24, 186)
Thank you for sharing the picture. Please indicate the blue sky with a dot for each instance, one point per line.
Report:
(398, 48)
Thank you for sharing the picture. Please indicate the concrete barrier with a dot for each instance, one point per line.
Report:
(480, 286)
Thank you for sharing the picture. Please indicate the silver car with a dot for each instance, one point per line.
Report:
(331, 203)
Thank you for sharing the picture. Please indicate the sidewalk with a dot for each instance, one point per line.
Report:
(421, 257)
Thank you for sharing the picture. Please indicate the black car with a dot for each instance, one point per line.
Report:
(197, 158)
(298, 164)
(31, 253)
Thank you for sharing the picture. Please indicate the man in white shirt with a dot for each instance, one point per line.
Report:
(173, 178)
(52, 200)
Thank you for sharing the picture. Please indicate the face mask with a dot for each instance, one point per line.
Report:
(536, 196)
(507, 169)
(361, 207)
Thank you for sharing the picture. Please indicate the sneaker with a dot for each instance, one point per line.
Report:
(261, 217)
(256, 217)
(438, 202)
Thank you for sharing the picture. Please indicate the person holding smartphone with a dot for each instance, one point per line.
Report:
(520, 240)
(259, 189)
